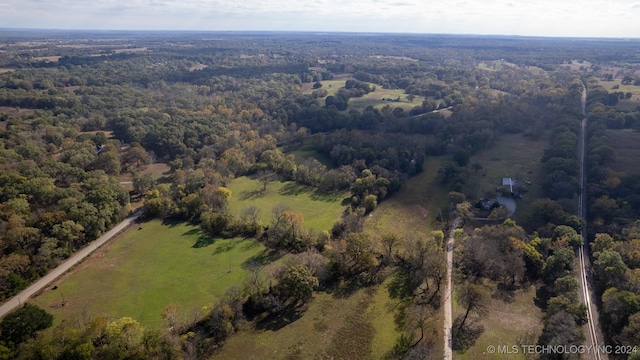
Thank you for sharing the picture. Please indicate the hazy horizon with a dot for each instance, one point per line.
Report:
(571, 18)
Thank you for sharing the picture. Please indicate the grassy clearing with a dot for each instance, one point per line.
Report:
(626, 144)
(360, 326)
(159, 171)
(14, 112)
(149, 268)
(377, 99)
(332, 86)
(320, 210)
(53, 58)
(513, 156)
(382, 313)
(624, 104)
(576, 65)
(415, 208)
(504, 324)
(6, 70)
(307, 152)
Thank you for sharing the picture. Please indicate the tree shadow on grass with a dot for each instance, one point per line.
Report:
(265, 257)
(543, 294)
(171, 222)
(294, 189)
(345, 288)
(315, 194)
(278, 320)
(251, 194)
(203, 241)
(226, 246)
(191, 232)
(465, 337)
(504, 292)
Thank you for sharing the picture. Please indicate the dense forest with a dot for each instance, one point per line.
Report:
(79, 111)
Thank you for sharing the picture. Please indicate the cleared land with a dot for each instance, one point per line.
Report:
(53, 58)
(307, 152)
(360, 326)
(513, 156)
(415, 208)
(378, 99)
(320, 210)
(626, 144)
(624, 104)
(148, 269)
(15, 112)
(506, 323)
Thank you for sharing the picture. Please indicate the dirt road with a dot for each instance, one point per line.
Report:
(448, 292)
(25, 294)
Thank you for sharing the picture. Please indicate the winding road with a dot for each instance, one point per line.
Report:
(586, 293)
(25, 294)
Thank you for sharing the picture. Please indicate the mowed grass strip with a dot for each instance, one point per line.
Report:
(320, 210)
(626, 144)
(413, 209)
(148, 269)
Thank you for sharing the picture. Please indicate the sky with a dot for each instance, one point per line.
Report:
(580, 18)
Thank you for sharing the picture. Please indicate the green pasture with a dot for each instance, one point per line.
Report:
(513, 156)
(509, 318)
(377, 99)
(626, 144)
(332, 86)
(307, 152)
(320, 210)
(358, 326)
(413, 209)
(148, 269)
(624, 104)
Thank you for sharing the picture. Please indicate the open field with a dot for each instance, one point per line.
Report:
(624, 104)
(307, 152)
(146, 270)
(53, 58)
(415, 208)
(577, 65)
(6, 70)
(130, 50)
(360, 326)
(626, 144)
(15, 112)
(504, 324)
(320, 210)
(513, 156)
(158, 171)
(377, 99)
(332, 86)
(107, 133)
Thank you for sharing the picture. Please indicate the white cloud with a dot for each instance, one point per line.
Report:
(532, 17)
